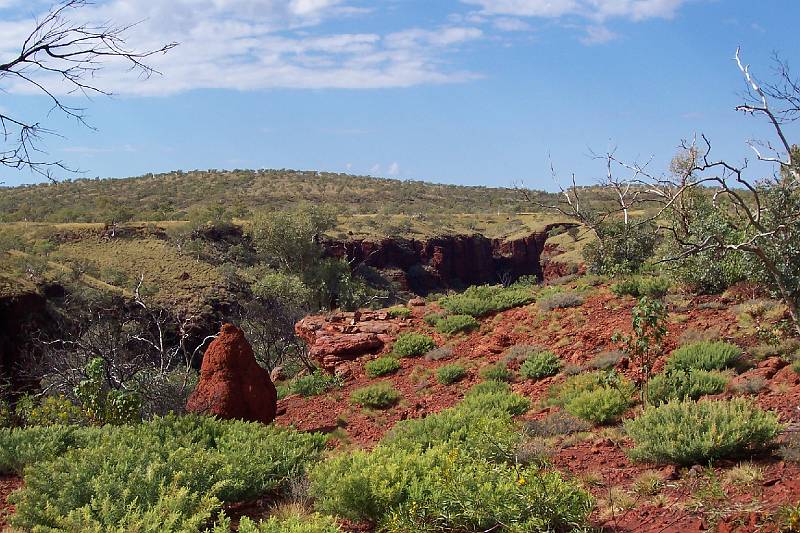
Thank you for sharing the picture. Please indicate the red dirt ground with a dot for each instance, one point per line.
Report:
(699, 499)
(8, 484)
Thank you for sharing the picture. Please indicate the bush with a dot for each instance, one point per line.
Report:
(432, 318)
(449, 374)
(679, 385)
(313, 523)
(652, 287)
(605, 360)
(318, 382)
(49, 411)
(621, 248)
(540, 365)
(405, 490)
(560, 300)
(496, 372)
(452, 324)
(481, 300)
(399, 312)
(167, 474)
(381, 366)
(598, 397)
(378, 396)
(495, 395)
(704, 356)
(555, 425)
(689, 432)
(412, 344)
(438, 354)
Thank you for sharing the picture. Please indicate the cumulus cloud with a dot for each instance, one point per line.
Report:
(259, 44)
(598, 35)
(394, 169)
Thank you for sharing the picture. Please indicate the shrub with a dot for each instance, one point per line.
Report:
(689, 432)
(652, 287)
(556, 424)
(452, 324)
(480, 300)
(49, 411)
(540, 365)
(621, 248)
(704, 356)
(560, 300)
(405, 490)
(312, 523)
(598, 397)
(399, 312)
(449, 374)
(169, 473)
(495, 395)
(377, 396)
(318, 382)
(605, 360)
(679, 384)
(496, 372)
(438, 354)
(432, 318)
(381, 366)
(412, 344)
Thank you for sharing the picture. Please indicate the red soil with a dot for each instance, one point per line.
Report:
(8, 484)
(686, 503)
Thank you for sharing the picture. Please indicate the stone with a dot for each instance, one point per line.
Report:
(232, 384)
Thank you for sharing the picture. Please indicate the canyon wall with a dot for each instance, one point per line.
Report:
(453, 261)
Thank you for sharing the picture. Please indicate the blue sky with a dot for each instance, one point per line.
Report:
(456, 91)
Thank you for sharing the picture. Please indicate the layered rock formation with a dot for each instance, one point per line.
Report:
(422, 266)
(334, 340)
(232, 384)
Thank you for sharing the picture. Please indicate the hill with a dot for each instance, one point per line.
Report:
(173, 195)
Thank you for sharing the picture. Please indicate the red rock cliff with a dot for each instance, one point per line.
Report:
(447, 261)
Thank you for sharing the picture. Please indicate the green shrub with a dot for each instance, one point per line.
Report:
(453, 324)
(432, 318)
(704, 355)
(555, 425)
(405, 490)
(174, 471)
(381, 366)
(480, 300)
(377, 396)
(540, 365)
(689, 432)
(496, 372)
(49, 411)
(495, 395)
(652, 287)
(598, 397)
(399, 312)
(449, 374)
(412, 344)
(318, 382)
(621, 248)
(680, 384)
(560, 300)
(313, 523)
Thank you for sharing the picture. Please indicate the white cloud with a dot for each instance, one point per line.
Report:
(510, 24)
(594, 9)
(394, 169)
(598, 35)
(260, 44)
(375, 169)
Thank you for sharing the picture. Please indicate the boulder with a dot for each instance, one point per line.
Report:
(232, 385)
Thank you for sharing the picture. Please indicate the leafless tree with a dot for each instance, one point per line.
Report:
(59, 55)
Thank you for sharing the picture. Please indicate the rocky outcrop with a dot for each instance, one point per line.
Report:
(232, 384)
(20, 316)
(334, 340)
(453, 261)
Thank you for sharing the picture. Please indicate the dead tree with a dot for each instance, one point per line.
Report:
(61, 56)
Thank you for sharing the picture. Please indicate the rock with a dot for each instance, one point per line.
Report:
(277, 374)
(670, 473)
(416, 302)
(232, 384)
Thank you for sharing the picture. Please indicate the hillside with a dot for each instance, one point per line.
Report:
(172, 195)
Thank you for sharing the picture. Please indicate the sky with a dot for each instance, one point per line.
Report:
(478, 92)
